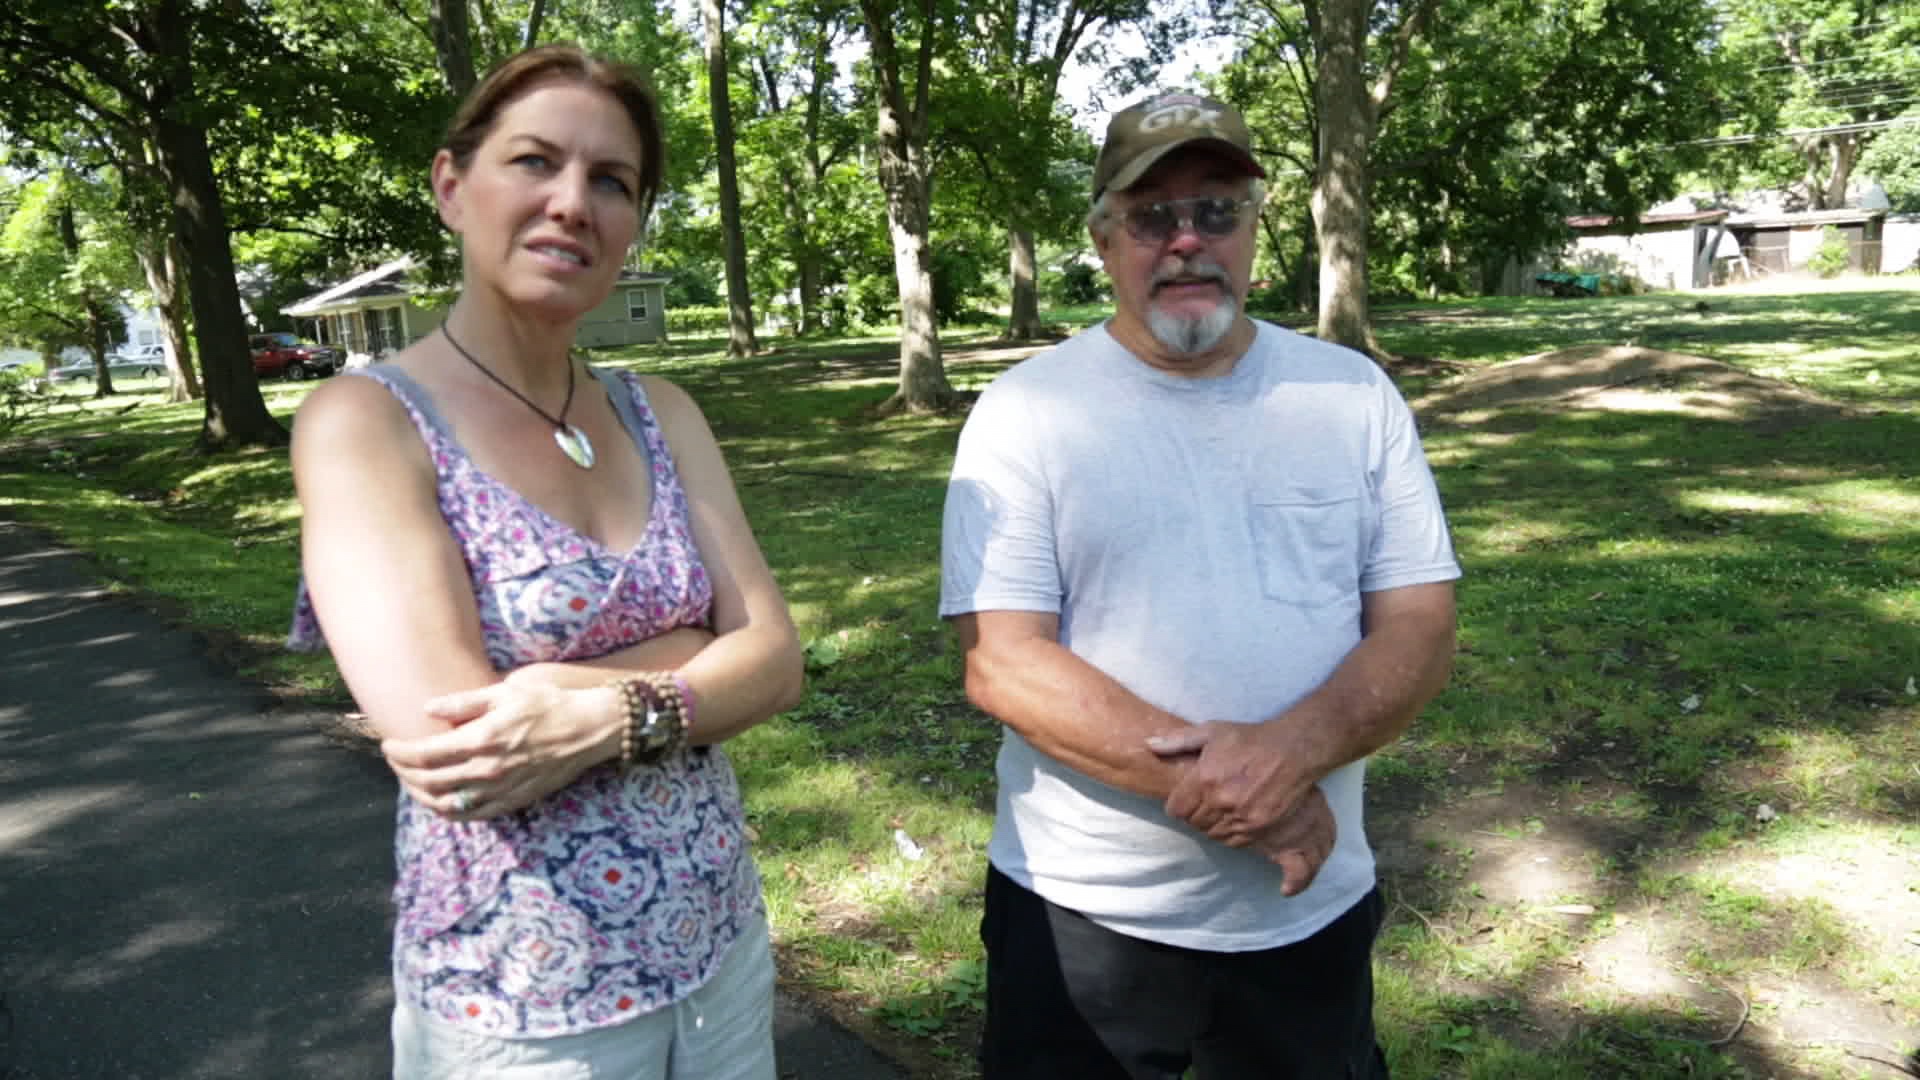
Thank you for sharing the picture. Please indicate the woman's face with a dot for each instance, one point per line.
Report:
(545, 210)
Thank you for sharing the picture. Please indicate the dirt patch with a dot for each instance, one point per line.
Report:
(1502, 873)
(1627, 378)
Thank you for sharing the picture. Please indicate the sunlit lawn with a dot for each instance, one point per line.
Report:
(1665, 622)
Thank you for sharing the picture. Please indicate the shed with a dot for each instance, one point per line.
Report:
(377, 313)
(1664, 250)
(1783, 243)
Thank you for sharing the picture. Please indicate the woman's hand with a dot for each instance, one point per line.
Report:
(512, 744)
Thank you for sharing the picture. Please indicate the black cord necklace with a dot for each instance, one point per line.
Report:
(572, 441)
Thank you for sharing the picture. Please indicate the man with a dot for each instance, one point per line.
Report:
(1199, 569)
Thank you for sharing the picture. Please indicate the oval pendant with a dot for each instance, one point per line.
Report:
(573, 443)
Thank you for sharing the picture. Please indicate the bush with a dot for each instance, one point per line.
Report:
(1831, 259)
(1076, 283)
(874, 299)
(697, 320)
(20, 398)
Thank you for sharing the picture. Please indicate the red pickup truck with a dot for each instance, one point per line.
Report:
(281, 353)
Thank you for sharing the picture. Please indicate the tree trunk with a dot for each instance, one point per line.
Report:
(236, 415)
(160, 262)
(740, 339)
(923, 375)
(1305, 271)
(1023, 321)
(96, 325)
(806, 262)
(1843, 152)
(452, 44)
(906, 178)
(1340, 190)
(534, 18)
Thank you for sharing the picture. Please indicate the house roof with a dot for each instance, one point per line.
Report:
(387, 279)
(1842, 216)
(390, 279)
(1682, 217)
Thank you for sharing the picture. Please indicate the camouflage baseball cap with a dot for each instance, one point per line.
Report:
(1141, 134)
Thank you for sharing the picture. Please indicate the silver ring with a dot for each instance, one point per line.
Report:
(462, 801)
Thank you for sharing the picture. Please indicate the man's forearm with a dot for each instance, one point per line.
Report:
(1374, 694)
(1074, 713)
(1246, 777)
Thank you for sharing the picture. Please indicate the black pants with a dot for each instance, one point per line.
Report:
(1071, 1000)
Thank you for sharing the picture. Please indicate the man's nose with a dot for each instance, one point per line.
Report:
(1185, 236)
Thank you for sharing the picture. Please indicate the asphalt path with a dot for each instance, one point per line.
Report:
(193, 880)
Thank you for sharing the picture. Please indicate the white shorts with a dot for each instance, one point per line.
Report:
(722, 1031)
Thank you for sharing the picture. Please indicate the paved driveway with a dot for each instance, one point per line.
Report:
(193, 884)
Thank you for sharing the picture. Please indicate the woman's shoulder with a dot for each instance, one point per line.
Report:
(353, 416)
(671, 405)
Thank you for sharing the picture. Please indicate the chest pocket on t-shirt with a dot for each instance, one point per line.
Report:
(1309, 543)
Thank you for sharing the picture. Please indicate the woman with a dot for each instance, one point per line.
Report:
(539, 584)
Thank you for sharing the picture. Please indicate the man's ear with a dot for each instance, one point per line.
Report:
(447, 179)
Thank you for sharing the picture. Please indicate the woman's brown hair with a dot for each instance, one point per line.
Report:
(519, 73)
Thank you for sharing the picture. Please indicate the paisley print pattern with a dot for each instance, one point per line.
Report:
(620, 893)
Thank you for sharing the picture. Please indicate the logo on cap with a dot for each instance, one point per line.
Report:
(1181, 110)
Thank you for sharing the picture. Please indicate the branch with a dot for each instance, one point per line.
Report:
(406, 16)
(34, 44)
(767, 75)
(60, 87)
(923, 75)
(534, 19)
(1409, 28)
(886, 62)
(291, 230)
(74, 325)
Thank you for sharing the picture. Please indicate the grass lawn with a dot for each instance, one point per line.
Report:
(1665, 821)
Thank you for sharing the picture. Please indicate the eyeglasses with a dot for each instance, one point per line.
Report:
(1207, 215)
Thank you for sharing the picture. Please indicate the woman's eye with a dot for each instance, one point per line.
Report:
(531, 161)
(613, 184)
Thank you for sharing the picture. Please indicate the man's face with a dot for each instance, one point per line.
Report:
(1186, 290)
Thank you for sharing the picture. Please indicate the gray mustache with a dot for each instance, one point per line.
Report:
(1193, 271)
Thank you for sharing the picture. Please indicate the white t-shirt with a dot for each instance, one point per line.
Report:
(1206, 543)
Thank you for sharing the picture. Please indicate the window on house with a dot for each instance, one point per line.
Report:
(637, 306)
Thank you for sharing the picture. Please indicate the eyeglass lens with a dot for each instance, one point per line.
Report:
(1208, 215)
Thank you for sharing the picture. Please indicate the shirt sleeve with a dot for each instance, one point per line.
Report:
(997, 550)
(1411, 546)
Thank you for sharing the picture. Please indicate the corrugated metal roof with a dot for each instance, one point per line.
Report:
(1807, 217)
(1684, 217)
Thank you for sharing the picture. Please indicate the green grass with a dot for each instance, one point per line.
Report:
(1666, 622)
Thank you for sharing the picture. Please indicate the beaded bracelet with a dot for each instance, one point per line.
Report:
(657, 717)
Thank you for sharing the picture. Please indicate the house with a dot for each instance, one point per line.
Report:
(144, 327)
(382, 311)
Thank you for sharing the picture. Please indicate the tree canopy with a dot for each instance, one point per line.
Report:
(896, 163)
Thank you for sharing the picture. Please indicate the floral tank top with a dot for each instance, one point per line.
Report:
(620, 893)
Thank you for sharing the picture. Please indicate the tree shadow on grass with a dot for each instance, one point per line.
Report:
(1618, 565)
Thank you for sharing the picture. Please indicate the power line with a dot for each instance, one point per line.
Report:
(1868, 102)
(1831, 129)
(1828, 33)
(1897, 51)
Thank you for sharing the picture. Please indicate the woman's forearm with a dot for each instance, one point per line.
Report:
(736, 680)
